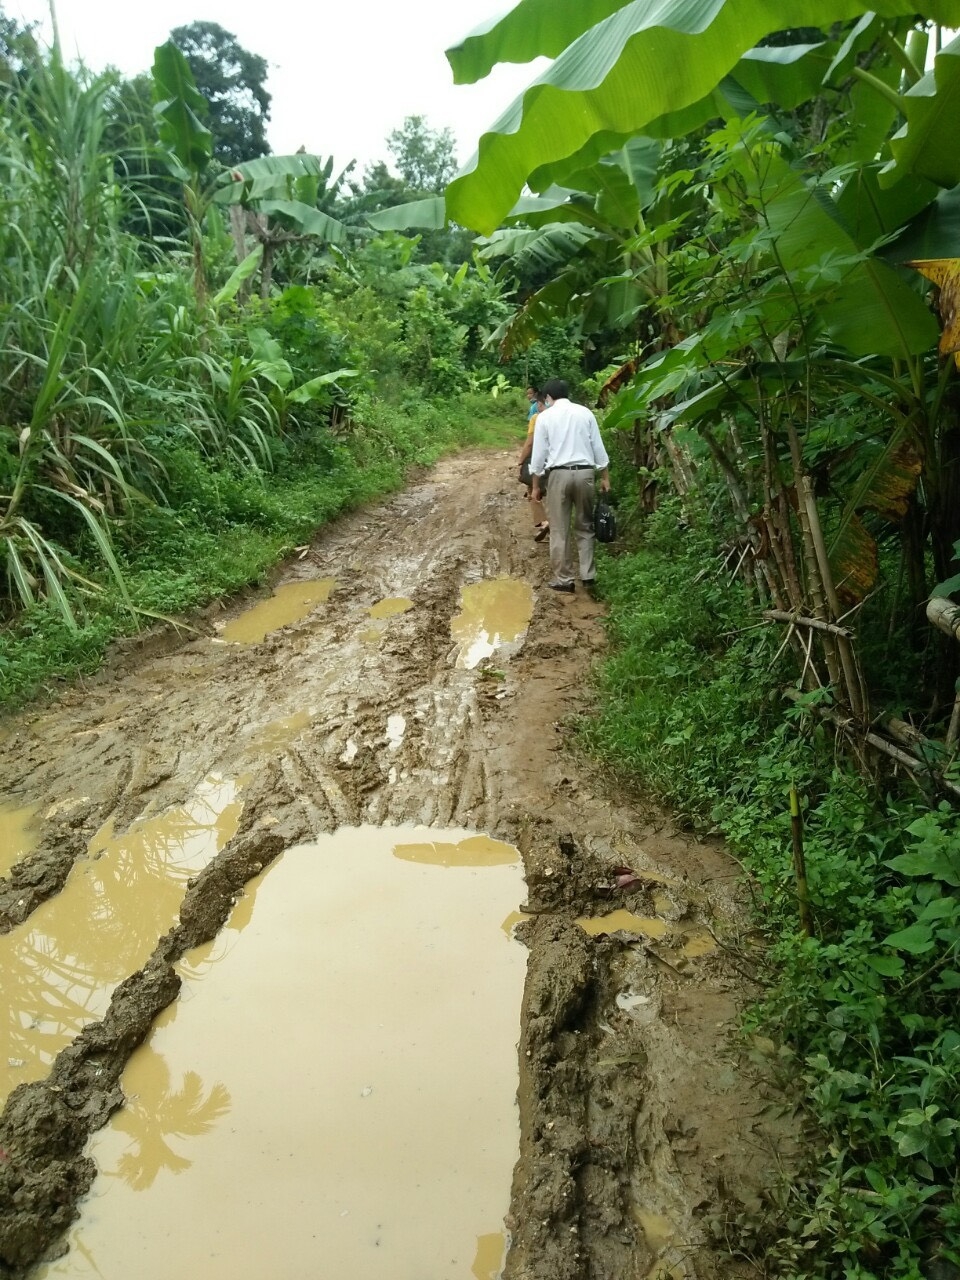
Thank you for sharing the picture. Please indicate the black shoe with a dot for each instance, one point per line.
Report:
(562, 586)
(589, 583)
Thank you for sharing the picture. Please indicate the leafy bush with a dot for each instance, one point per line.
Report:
(867, 1006)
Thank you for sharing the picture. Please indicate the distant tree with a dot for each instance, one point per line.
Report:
(424, 157)
(232, 80)
(17, 47)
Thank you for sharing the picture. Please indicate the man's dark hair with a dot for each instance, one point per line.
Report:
(556, 389)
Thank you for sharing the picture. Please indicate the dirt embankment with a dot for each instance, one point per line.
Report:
(644, 1127)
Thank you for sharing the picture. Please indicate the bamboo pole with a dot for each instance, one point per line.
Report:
(799, 863)
(919, 763)
(781, 615)
(945, 616)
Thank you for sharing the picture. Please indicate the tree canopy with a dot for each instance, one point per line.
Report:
(424, 157)
(233, 82)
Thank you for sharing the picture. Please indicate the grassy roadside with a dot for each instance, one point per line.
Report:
(224, 528)
(865, 1010)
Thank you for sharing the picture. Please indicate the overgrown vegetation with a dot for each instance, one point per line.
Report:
(166, 436)
(865, 1009)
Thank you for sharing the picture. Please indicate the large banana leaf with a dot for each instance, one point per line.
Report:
(927, 144)
(873, 310)
(538, 248)
(273, 177)
(421, 215)
(309, 222)
(179, 108)
(631, 68)
(935, 233)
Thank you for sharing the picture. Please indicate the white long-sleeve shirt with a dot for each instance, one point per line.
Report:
(567, 435)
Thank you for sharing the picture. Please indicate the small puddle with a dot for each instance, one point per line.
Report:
(493, 615)
(277, 734)
(658, 1230)
(59, 970)
(626, 920)
(390, 607)
(289, 603)
(334, 1091)
(698, 942)
(18, 834)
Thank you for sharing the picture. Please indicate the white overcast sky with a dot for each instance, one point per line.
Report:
(342, 74)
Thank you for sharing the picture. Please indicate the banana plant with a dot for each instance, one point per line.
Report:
(608, 79)
(283, 188)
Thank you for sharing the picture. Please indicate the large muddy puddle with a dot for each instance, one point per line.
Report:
(289, 603)
(333, 1094)
(493, 615)
(58, 971)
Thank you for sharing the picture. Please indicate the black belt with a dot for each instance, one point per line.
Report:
(576, 466)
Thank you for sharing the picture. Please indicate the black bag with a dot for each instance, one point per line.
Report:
(604, 521)
(524, 476)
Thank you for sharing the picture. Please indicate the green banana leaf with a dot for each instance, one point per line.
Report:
(872, 309)
(424, 215)
(926, 146)
(935, 233)
(618, 76)
(308, 221)
(238, 277)
(178, 109)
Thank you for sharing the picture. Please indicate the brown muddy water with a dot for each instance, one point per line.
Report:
(18, 833)
(58, 971)
(493, 615)
(289, 603)
(334, 1092)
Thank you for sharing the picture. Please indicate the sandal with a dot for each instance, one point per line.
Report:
(542, 531)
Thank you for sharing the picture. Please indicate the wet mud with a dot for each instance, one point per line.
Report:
(409, 690)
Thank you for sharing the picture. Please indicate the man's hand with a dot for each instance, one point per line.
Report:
(604, 481)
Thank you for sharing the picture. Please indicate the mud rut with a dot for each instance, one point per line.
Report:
(646, 1130)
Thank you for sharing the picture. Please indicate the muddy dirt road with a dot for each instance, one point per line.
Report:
(409, 667)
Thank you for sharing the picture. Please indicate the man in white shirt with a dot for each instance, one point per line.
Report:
(568, 448)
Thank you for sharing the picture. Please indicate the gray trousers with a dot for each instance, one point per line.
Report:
(570, 494)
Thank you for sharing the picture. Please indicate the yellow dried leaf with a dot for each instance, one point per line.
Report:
(945, 274)
(854, 561)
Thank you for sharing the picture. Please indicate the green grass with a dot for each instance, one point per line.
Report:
(226, 528)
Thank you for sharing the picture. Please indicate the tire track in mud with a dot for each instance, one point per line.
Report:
(643, 1127)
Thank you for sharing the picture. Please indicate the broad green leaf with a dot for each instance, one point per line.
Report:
(874, 311)
(420, 215)
(935, 233)
(632, 67)
(179, 110)
(238, 277)
(308, 391)
(532, 29)
(889, 966)
(948, 587)
(916, 940)
(549, 246)
(309, 222)
(273, 177)
(926, 146)
(869, 212)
